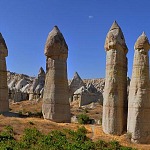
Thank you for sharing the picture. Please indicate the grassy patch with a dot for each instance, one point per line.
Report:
(67, 139)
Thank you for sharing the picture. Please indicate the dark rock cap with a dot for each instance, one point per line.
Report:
(115, 38)
(142, 42)
(56, 45)
(3, 47)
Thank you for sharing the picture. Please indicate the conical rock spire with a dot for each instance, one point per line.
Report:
(55, 44)
(41, 71)
(142, 42)
(76, 76)
(115, 39)
(114, 26)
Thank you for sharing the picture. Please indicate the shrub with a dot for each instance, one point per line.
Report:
(67, 139)
(7, 133)
(31, 137)
(31, 123)
(100, 144)
(114, 145)
(83, 119)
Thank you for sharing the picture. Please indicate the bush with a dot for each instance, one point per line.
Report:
(67, 139)
(83, 119)
(100, 144)
(114, 145)
(7, 133)
(31, 137)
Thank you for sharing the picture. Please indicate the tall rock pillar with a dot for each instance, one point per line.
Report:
(115, 92)
(56, 105)
(4, 103)
(139, 98)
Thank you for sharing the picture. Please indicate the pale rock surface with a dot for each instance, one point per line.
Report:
(12, 84)
(23, 82)
(139, 95)
(56, 105)
(74, 84)
(86, 95)
(24, 87)
(114, 118)
(98, 83)
(4, 103)
(41, 82)
(38, 84)
(32, 89)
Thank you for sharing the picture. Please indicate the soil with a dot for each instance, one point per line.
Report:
(27, 114)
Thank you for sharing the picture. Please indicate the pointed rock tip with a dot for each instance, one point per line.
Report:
(115, 25)
(143, 34)
(76, 75)
(41, 70)
(2, 41)
(142, 42)
(1, 35)
(56, 28)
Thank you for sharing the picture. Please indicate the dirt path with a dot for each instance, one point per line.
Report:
(93, 131)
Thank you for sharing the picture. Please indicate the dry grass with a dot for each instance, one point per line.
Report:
(45, 126)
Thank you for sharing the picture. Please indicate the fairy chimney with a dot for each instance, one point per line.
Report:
(56, 105)
(4, 103)
(139, 95)
(115, 91)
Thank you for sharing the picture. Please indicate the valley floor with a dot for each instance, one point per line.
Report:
(27, 114)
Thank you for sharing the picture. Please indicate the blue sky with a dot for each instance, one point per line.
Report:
(25, 25)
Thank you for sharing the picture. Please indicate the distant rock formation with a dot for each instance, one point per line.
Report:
(56, 105)
(4, 103)
(75, 84)
(23, 87)
(139, 94)
(97, 83)
(115, 91)
(32, 88)
(85, 91)
(36, 89)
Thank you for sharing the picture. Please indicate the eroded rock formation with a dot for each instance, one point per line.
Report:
(75, 84)
(24, 87)
(56, 105)
(139, 96)
(36, 89)
(115, 91)
(4, 103)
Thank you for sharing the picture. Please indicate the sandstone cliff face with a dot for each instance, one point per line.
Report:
(4, 103)
(115, 91)
(139, 95)
(56, 105)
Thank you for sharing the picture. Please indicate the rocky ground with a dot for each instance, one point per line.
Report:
(28, 114)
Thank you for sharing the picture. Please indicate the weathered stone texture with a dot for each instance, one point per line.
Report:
(4, 104)
(75, 84)
(56, 105)
(139, 95)
(115, 90)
